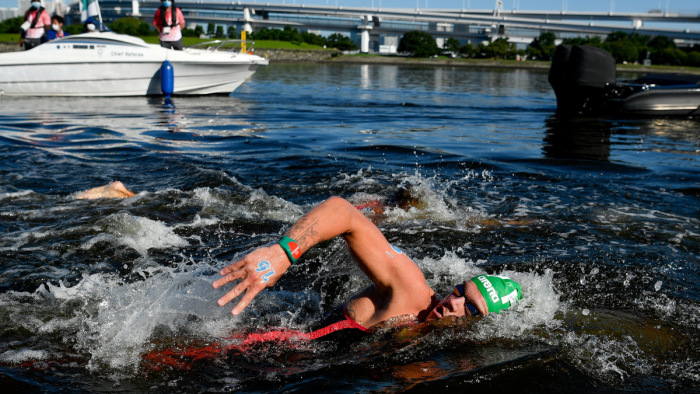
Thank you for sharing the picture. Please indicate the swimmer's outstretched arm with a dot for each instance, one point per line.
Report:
(264, 266)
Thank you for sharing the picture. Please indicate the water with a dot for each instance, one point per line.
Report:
(597, 218)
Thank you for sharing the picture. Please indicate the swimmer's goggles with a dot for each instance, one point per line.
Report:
(469, 308)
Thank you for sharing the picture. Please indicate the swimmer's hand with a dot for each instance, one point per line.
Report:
(259, 269)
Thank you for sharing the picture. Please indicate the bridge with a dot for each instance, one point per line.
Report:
(377, 29)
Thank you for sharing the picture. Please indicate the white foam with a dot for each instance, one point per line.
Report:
(24, 238)
(117, 320)
(139, 233)
(602, 355)
(21, 193)
(274, 208)
(22, 355)
(360, 181)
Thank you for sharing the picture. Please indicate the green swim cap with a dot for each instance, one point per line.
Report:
(500, 292)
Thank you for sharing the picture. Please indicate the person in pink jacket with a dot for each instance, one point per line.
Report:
(169, 22)
(36, 21)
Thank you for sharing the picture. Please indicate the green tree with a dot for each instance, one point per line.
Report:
(452, 45)
(11, 25)
(341, 42)
(467, 50)
(198, 31)
(693, 58)
(636, 47)
(500, 48)
(622, 51)
(131, 26)
(266, 34)
(291, 34)
(263, 34)
(592, 41)
(220, 32)
(419, 44)
(659, 43)
(662, 50)
(626, 47)
(313, 39)
(73, 29)
(669, 56)
(542, 47)
(188, 32)
(211, 28)
(232, 31)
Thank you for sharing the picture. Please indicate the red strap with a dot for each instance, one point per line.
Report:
(371, 204)
(183, 358)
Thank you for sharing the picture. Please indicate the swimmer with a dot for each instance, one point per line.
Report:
(115, 189)
(399, 290)
(407, 198)
(404, 198)
(399, 294)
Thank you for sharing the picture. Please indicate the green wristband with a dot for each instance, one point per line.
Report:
(291, 248)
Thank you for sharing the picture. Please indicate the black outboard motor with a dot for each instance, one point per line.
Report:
(579, 75)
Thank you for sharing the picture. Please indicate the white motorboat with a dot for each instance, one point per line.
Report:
(110, 64)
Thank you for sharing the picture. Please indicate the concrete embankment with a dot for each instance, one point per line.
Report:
(9, 47)
(287, 55)
(441, 61)
(282, 55)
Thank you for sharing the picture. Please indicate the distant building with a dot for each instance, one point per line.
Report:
(8, 13)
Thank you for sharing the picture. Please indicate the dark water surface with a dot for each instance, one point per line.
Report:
(598, 219)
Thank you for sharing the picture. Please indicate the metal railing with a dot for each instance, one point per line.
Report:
(227, 45)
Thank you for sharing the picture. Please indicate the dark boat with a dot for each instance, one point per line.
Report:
(585, 82)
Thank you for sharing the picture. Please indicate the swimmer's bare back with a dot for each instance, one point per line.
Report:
(115, 189)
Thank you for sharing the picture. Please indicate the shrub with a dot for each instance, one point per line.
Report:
(341, 42)
(131, 26)
(11, 25)
(419, 44)
(542, 47)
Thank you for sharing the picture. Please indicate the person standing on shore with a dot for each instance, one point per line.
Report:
(169, 22)
(36, 20)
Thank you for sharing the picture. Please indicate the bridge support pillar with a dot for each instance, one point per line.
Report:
(364, 41)
(364, 28)
(135, 11)
(246, 18)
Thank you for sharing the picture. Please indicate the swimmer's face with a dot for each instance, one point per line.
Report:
(459, 302)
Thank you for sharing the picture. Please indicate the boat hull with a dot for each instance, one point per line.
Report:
(584, 81)
(93, 66)
(664, 102)
(122, 79)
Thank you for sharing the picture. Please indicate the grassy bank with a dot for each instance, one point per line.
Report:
(189, 41)
(9, 38)
(640, 69)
